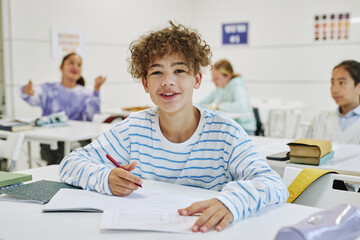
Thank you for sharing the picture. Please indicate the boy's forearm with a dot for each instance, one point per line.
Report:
(76, 169)
(255, 185)
(244, 198)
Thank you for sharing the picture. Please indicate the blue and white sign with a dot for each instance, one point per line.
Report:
(235, 33)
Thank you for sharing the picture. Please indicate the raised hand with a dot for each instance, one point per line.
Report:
(28, 88)
(98, 82)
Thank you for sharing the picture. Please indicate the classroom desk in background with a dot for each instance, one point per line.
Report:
(26, 221)
(75, 131)
(346, 156)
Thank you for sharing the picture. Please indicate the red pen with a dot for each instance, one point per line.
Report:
(118, 165)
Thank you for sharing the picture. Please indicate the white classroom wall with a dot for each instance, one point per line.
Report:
(2, 85)
(282, 60)
(109, 27)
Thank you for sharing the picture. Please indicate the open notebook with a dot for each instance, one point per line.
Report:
(142, 210)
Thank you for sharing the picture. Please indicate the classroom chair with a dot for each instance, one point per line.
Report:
(325, 191)
(280, 118)
(283, 123)
(304, 130)
(10, 146)
(259, 126)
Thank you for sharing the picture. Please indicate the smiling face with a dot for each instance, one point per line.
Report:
(170, 83)
(343, 89)
(219, 79)
(71, 68)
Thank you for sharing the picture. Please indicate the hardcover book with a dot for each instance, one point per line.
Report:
(309, 148)
(313, 160)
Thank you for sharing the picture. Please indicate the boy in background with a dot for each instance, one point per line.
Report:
(342, 125)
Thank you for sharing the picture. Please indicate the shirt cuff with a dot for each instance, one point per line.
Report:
(106, 187)
(230, 205)
(22, 92)
(96, 93)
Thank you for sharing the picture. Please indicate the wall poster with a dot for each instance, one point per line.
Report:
(332, 26)
(235, 33)
(66, 41)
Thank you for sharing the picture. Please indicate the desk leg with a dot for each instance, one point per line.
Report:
(29, 154)
(66, 148)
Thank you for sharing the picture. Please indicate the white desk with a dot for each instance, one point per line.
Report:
(346, 157)
(75, 131)
(26, 221)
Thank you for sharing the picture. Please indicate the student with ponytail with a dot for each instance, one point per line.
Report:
(230, 94)
(69, 96)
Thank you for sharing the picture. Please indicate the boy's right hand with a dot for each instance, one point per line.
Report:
(122, 182)
(28, 89)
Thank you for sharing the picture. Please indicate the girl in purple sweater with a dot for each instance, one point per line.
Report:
(69, 96)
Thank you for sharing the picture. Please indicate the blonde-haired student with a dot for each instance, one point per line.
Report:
(178, 142)
(342, 125)
(230, 94)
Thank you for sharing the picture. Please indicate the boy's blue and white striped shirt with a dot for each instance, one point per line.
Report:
(219, 156)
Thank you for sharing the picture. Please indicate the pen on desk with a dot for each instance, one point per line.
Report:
(118, 165)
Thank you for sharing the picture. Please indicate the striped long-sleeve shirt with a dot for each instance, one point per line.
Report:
(219, 156)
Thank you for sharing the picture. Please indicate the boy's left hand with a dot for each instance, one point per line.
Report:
(213, 214)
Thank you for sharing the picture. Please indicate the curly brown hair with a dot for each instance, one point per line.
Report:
(170, 40)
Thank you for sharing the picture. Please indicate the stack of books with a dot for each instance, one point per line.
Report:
(310, 151)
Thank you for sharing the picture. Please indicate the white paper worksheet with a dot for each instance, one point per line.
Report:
(153, 210)
(157, 214)
(83, 200)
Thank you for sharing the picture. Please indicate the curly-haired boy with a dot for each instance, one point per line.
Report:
(178, 142)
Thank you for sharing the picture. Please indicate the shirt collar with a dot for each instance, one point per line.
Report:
(354, 112)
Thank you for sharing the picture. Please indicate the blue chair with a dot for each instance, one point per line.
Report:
(259, 131)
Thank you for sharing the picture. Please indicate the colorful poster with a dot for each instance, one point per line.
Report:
(64, 42)
(235, 33)
(330, 27)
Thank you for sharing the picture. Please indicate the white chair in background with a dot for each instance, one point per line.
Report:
(10, 146)
(321, 193)
(284, 120)
(303, 130)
